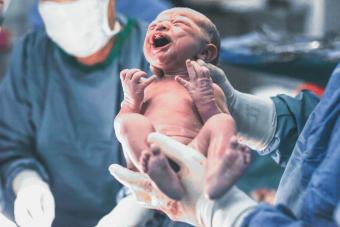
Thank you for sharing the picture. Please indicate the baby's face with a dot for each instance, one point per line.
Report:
(173, 37)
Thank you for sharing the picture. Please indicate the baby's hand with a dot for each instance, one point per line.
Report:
(134, 82)
(217, 74)
(200, 88)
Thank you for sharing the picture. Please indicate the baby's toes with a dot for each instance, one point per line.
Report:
(246, 153)
(155, 150)
(234, 143)
(144, 160)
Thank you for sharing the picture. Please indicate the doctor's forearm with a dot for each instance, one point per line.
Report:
(255, 119)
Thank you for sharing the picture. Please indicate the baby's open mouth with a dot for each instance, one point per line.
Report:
(159, 40)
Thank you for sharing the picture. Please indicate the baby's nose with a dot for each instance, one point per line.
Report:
(164, 25)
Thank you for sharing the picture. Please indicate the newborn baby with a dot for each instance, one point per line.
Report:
(182, 103)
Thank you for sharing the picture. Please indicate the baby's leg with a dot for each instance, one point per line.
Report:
(132, 131)
(227, 170)
(227, 160)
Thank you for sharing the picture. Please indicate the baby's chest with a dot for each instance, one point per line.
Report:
(168, 98)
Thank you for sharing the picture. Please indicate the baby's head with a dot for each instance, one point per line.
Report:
(178, 34)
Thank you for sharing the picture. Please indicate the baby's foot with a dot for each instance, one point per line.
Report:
(228, 170)
(157, 166)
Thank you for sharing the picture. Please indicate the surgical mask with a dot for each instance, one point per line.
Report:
(3, 10)
(81, 27)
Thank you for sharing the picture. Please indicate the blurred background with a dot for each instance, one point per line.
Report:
(269, 47)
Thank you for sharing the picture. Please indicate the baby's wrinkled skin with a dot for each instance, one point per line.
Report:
(184, 103)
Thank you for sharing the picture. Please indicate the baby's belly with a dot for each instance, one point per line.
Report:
(173, 113)
(182, 126)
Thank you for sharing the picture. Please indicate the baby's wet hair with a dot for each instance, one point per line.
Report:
(207, 27)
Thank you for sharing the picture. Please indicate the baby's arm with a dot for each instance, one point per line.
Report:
(208, 97)
(216, 106)
(134, 82)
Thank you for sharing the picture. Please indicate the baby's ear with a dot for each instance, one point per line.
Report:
(209, 53)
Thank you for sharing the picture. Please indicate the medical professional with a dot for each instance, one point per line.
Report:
(57, 104)
(308, 194)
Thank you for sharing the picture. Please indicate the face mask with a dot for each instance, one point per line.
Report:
(3, 9)
(80, 28)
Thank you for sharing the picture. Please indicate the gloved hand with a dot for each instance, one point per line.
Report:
(6, 222)
(255, 117)
(134, 82)
(194, 208)
(34, 204)
(192, 165)
(138, 216)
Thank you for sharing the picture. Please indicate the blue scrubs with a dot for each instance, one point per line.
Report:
(309, 191)
(151, 8)
(56, 118)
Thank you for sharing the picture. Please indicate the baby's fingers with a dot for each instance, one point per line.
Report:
(191, 70)
(122, 74)
(148, 81)
(201, 71)
(202, 63)
(183, 82)
(137, 76)
(130, 73)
